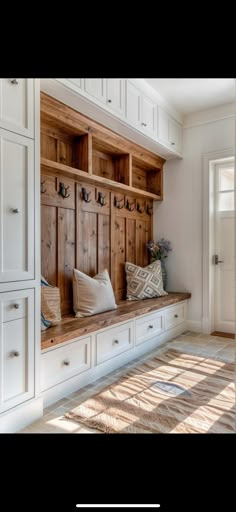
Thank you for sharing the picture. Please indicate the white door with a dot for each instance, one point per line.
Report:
(16, 100)
(16, 207)
(133, 104)
(95, 87)
(16, 348)
(115, 94)
(148, 116)
(224, 248)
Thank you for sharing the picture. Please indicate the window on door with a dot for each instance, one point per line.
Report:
(225, 187)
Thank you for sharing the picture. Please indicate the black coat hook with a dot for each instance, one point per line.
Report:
(85, 195)
(139, 208)
(100, 199)
(45, 190)
(63, 191)
(149, 209)
(130, 206)
(117, 203)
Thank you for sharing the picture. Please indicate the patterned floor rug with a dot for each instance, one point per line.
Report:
(174, 392)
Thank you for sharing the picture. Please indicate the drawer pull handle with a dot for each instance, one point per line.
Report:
(144, 124)
(15, 210)
(176, 316)
(172, 143)
(109, 101)
(116, 342)
(15, 353)
(17, 306)
(150, 327)
(14, 81)
(66, 363)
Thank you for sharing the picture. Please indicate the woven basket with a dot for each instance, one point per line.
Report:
(51, 304)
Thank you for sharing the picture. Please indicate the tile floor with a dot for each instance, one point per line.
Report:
(53, 420)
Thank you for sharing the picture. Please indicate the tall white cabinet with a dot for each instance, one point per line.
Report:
(20, 401)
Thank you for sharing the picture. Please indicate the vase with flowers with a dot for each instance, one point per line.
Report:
(159, 251)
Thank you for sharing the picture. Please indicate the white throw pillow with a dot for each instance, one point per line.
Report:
(144, 282)
(92, 295)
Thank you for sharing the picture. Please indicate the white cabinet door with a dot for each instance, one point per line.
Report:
(163, 126)
(115, 94)
(95, 87)
(175, 135)
(133, 104)
(16, 207)
(148, 115)
(16, 100)
(17, 348)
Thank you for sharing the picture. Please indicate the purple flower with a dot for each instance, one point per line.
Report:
(159, 250)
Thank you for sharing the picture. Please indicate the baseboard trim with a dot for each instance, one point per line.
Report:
(194, 325)
(21, 416)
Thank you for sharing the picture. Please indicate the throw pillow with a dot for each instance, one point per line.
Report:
(50, 305)
(144, 283)
(92, 295)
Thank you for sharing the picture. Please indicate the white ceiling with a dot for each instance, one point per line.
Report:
(188, 95)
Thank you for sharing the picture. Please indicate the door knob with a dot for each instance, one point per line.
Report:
(216, 259)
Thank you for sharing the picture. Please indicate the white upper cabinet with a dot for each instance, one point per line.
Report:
(16, 100)
(169, 131)
(95, 87)
(115, 94)
(148, 116)
(133, 104)
(16, 207)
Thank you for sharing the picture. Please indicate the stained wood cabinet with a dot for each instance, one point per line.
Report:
(16, 207)
(16, 100)
(17, 348)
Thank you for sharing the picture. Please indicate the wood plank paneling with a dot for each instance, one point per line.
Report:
(66, 257)
(142, 236)
(118, 258)
(103, 242)
(49, 244)
(130, 240)
(87, 243)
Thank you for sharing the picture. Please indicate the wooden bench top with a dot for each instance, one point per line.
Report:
(71, 327)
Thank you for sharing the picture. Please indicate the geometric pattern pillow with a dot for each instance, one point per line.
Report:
(144, 282)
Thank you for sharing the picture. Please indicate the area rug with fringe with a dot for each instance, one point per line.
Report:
(174, 392)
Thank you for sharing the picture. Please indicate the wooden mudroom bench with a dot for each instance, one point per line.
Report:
(71, 327)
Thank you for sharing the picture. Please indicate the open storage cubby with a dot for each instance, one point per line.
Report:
(110, 162)
(65, 148)
(145, 177)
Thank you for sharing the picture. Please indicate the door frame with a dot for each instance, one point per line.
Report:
(209, 161)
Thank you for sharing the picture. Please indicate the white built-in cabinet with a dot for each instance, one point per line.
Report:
(169, 131)
(127, 101)
(19, 253)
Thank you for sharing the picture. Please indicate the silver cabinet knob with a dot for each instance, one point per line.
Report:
(109, 101)
(66, 362)
(15, 353)
(15, 210)
(116, 342)
(150, 327)
(176, 316)
(17, 306)
(172, 143)
(14, 81)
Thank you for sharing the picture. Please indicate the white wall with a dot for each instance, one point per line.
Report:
(179, 217)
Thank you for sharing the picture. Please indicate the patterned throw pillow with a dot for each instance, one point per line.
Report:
(144, 283)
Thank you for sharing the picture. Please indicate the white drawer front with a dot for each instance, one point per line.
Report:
(16, 207)
(65, 362)
(14, 308)
(16, 105)
(148, 326)
(114, 341)
(175, 315)
(17, 350)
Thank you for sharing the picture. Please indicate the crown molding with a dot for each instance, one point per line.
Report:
(209, 116)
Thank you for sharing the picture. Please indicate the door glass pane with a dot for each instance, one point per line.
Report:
(226, 202)
(226, 178)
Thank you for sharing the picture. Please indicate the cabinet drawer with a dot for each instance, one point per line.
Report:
(113, 342)
(14, 308)
(148, 326)
(65, 362)
(175, 315)
(17, 348)
(16, 105)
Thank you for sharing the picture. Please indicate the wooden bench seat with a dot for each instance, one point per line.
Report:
(71, 327)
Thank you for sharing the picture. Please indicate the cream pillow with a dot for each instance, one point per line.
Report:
(92, 295)
(144, 282)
